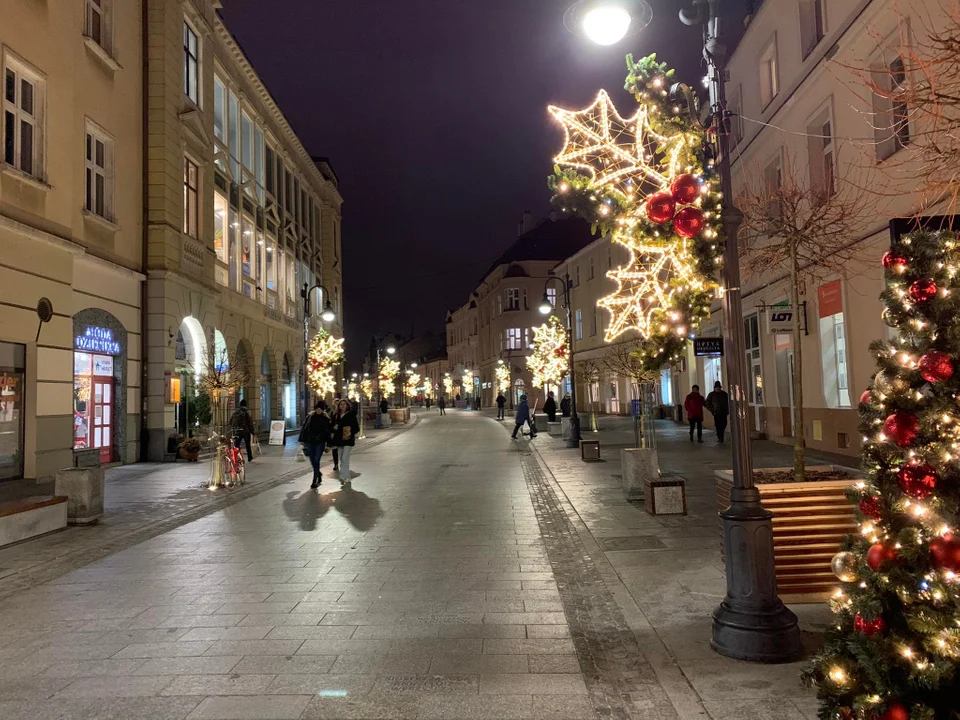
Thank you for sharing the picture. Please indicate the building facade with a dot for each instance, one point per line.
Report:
(71, 239)
(802, 96)
(240, 220)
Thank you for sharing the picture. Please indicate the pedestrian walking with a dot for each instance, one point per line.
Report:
(334, 450)
(550, 407)
(344, 437)
(314, 437)
(565, 406)
(501, 402)
(242, 423)
(442, 405)
(524, 416)
(384, 406)
(693, 404)
(718, 403)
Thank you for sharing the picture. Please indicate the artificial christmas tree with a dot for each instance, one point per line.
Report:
(895, 648)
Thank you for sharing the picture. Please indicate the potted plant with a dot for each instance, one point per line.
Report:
(190, 449)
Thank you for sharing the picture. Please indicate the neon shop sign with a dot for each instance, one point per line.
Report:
(98, 340)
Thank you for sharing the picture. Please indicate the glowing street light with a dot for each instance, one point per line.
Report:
(607, 22)
(545, 305)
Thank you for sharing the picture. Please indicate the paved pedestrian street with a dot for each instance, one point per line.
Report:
(453, 579)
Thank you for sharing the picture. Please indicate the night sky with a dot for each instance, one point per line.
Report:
(433, 113)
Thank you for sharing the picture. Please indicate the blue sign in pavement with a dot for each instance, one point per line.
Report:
(635, 408)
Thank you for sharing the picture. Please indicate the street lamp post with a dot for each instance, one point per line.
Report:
(752, 622)
(327, 315)
(390, 350)
(546, 307)
(509, 364)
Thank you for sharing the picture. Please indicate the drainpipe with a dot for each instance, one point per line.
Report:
(144, 88)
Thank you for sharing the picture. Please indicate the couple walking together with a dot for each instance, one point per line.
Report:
(717, 402)
(338, 430)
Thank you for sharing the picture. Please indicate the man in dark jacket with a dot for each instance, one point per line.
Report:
(501, 401)
(565, 406)
(242, 422)
(718, 403)
(523, 416)
(315, 435)
(550, 407)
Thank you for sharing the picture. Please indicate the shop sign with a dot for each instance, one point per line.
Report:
(103, 365)
(98, 340)
(708, 346)
(780, 320)
(277, 433)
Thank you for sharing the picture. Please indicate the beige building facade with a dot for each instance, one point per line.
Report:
(240, 219)
(71, 204)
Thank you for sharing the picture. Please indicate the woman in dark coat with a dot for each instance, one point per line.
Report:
(344, 436)
(315, 435)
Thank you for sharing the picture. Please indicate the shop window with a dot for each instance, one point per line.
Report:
(220, 238)
(94, 418)
(833, 346)
(247, 244)
(12, 369)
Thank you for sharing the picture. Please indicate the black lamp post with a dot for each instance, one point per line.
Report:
(546, 307)
(390, 350)
(751, 623)
(328, 314)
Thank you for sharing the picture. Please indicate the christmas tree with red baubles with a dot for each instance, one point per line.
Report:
(894, 650)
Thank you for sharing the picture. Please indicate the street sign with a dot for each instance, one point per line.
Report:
(780, 320)
(708, 346)
(635, 408)
(277, 429)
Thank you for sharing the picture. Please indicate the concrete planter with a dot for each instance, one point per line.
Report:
(809, 521)
(555, 429)
(399, 416)
(565, 428)
(639, 467)
(83, 488)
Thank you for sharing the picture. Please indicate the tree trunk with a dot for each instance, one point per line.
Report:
(799, 443)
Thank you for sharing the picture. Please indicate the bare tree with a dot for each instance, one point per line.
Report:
(219, 380)
(623, 359)
(806, 226)
(589, 372)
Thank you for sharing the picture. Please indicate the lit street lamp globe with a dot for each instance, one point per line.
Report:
(328, 314)
(607, 22)
(545, 305)
(391, 350)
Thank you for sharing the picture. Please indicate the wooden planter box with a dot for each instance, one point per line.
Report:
(809, 521)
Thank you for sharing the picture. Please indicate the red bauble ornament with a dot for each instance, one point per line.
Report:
(878, 554)
(895, 711)
(871, 508)
(869, 627)
(917, 480)
(685, 189)
(945, 553)
(689, 222)
(901, 428)
(865, 397)
(936, 366)
(660, 207)
(923, 290)
(893, 261)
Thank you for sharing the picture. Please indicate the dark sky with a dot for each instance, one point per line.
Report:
(433, 113)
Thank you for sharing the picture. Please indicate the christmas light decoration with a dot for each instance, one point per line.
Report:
(466, 382)
(503, 379)
(389, 369)
(550, 357)
(896, 638)
(353, 391)
(323, 353)
(646, 181)
(366, 387)
(448, 385)
(413, 385)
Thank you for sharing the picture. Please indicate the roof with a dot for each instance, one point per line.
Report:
(549, 240)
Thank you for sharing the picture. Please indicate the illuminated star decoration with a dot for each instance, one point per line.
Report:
(608, 168)
(413, 384)
(366, 387)
(448, 386)
(466, 382)
(550, 359)
(353, 391)
(323, 353)
(503, 379)
(389, 369)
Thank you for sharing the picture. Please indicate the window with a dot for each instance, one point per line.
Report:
(609, 258)
(592, 270)
(219, 109)
(98, 23)
(593, 323)
(191, 64)
(513, 339)
(233, 136)
(12, 408)
(98, 164)
(512, 298)
(271, 174)
(769, 73)
(576, 277)
(773, 181)
(578, 324)
(191, 198)
(552, 297)
(891, 115)
(820, 150)
(833, 346)
(22, 105)
(220, 237)
(811, 25)
(736, 122)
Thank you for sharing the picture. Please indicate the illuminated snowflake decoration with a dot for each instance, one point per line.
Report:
(448, 386)
(413, 385)
(323, 353)
(503, 379)
(353, 391)
(389, 369)
(607, 172)
(550, 359)
(466, 382)
(366, 387)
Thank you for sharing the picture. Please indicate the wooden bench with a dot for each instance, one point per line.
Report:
(29, 517)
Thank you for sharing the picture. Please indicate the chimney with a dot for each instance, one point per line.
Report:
(526, 223)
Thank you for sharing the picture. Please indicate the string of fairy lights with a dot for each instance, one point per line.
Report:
(549, 359)
(389, 369)
(503, 379)
(324, 352)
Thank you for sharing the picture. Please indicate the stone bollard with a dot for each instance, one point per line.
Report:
(639, 467)
(83, 488)
(555, 429)
(565, 428)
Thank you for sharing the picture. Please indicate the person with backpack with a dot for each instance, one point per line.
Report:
(314, 436)
(344, 437)
(242, 423)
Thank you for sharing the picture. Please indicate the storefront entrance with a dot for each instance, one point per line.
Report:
(12, 363)
(93, 404)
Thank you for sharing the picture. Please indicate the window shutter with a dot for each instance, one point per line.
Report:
(883, 115)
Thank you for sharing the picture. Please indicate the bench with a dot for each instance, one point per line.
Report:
(29, 517)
